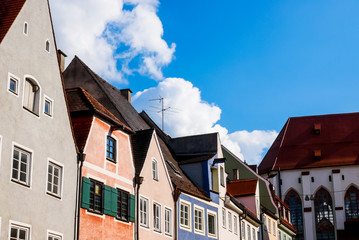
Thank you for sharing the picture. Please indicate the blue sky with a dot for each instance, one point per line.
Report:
(240, 68)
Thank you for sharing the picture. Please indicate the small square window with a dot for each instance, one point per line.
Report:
(21, 162)
(48, 107)
(54, 179)
(18, 232)
(111, 149)
(13, 85)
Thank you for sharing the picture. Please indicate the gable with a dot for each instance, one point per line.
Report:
(9, 9)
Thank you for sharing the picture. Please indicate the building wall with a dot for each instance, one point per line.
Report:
(156, 192)
(117, 175)
(270, 227)
(336, 187)
(247, 226)
(47, 137)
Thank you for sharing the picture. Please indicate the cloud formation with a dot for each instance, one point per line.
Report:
(108, 37)
(188, 114)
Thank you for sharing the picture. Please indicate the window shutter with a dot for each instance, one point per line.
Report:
(114, 202)
(86, 183)
(132, 208)
(107, 200)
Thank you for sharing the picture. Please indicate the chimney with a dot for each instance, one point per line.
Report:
(62, 57)
(126, 93)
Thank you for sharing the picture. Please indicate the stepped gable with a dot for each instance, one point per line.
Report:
(9, 9)
(78, 74)
(333, 139)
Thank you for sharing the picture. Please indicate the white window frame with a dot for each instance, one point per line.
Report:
(20, 225)
(61, 177)
(221, 176)
(229, 221)
(17, 80)
(254, 234)
(243, 230)
(53, 234)
(214, 214)
(274, 228)
(197, 208)
(154, 167)
(168, 221)
(21, 148)
(51, 101)
(144, 213)
(37, 96)
(47, 42)
(224, 223)
(188, 205)
(26, 29)
(235, 225)
(157, 206)
(269, 225)
(249, 234)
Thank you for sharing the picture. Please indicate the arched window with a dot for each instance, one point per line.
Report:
(352, 203)
(324, 220)
(31, 96)
(294, 202)
(47, 46)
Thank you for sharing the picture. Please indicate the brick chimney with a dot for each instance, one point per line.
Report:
(62, 57)
(126, 93)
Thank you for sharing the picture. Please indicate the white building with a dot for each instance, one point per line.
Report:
(38, 168)
(313, 165)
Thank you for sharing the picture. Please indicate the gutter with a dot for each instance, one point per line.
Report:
(80, 158)
(138, 182)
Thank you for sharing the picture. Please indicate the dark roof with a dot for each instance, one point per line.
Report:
(242, 187)
(336, 136)
(140, 144)
(204, 144)
(9, 9)
(78, 74)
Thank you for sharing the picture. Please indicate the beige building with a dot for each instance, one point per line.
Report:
(37, 150)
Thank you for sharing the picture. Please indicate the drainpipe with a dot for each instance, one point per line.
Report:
(240, 221)
(262, 229)
(138, 182)
(80, 159)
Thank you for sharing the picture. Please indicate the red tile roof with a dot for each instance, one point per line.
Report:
(9, 9)
(337, 138)
(242, 187)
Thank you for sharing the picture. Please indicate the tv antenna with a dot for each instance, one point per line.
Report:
(162, 111)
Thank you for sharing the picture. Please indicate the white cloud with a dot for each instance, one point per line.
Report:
(189, 114)
(96, 30)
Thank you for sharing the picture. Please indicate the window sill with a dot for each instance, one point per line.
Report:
(122, 219)
(30, 111)
(111, 160)
(53, 195)
(157, 231)
(20, 183)
(95, 212)
(13, 92)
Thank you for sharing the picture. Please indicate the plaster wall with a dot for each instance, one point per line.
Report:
(245, 225)
(47, 137)
(117, 175)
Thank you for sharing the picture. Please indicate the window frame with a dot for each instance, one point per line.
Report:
(229, 221)
(17, 85)
(168, 212)
(249, 232)
(198, 209)
(22, 149)
(189, 223)
(145, 213)
(19, 225)
(120, 204)
(54, 235)
(157, 209)
(36, 97)
(60, 186)
(26, 29)
(221, 176)
(110, 139)
(51, 106)
(224, 216)
(154, 163)
(214, 215)
(235, 226)
(92, 203)
(47, 45)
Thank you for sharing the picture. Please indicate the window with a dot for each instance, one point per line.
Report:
(13, 85)
(111, 149)
(294, 202)
(154, 169)
(21, 166)
(212, 225)
(26, 28)
(324, 219)
(48, 106)
(253, 234)
(54, 179)
(274, 230)
(230, 221)
(221, 176)
(235, 174)
(96, 196)
(269, 225)
(198, 220)
(352, 203)
(144, 212)
(168, 221)
(53, 237)
(157, 217)
(279, 235)
(18, 232)
(31, 96)
(235, 225)
(265, 222)
(249, 232)
(122, 204)
(184, 215)
(224, 217)
(47, 46)
(243, 230)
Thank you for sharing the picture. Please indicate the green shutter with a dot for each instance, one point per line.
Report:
(132, 208)
(86, 184)
(107, 200)
(114, 202)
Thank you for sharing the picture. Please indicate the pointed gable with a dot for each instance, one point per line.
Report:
(9, 9)
(140, 144)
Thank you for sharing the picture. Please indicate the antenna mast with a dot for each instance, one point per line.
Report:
(163, 109)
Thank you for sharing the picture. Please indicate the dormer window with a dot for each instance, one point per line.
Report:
(31, 96)
(47, 46)
(154, 170)
(235, 174)
(26, 28)
(317, 128)
(317, 154)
